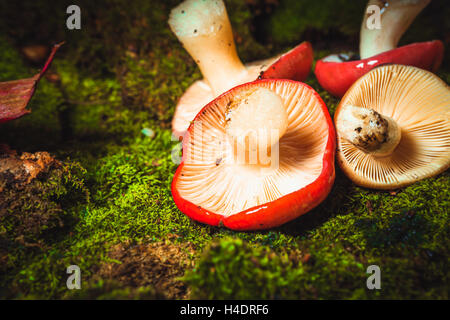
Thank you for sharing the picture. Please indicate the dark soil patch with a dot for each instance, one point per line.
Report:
(157, 264)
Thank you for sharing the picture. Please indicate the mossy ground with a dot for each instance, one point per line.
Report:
(124, 72)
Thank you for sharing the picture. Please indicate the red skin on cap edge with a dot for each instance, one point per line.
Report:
(337, 77)
(274, 213)
(293, 65)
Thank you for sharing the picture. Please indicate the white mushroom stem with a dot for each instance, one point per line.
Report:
(368, 130)
(203, 27)
(256, 120)
(396, 17)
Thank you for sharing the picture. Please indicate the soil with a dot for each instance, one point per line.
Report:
(159, 264)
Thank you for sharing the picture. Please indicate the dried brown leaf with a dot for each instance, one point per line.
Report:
(15, 95)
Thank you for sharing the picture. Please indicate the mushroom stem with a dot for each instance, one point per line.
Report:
(256, 120)
(203, 27)
(396, 17)
(369, 131)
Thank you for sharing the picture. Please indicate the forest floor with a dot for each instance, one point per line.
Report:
(103, 201)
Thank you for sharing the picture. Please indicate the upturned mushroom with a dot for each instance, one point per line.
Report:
(378, 45)
(393, 127)
(203, 27)
(257, 156)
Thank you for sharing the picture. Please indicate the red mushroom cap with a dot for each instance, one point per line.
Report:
(293, 65)
(308, 147)
(337, 77)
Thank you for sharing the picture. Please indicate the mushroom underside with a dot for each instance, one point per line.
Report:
(419, 102)
(214, 178)
(200, 93)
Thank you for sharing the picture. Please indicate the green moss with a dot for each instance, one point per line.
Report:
(33, 218)
(233, 269)
(11, 67)
(405, 234)
(292, 18)
(111, 290)
(126, 74)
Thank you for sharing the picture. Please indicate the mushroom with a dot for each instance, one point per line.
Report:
(203, 27)
(336, 73)
(393, 127)
(257, 156)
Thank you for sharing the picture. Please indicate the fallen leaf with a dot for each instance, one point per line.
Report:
(15, 95)
(22, 169)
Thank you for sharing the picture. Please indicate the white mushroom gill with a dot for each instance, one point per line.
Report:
(203, 27)
(419, 103)
(396, 17)
(213, 178)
